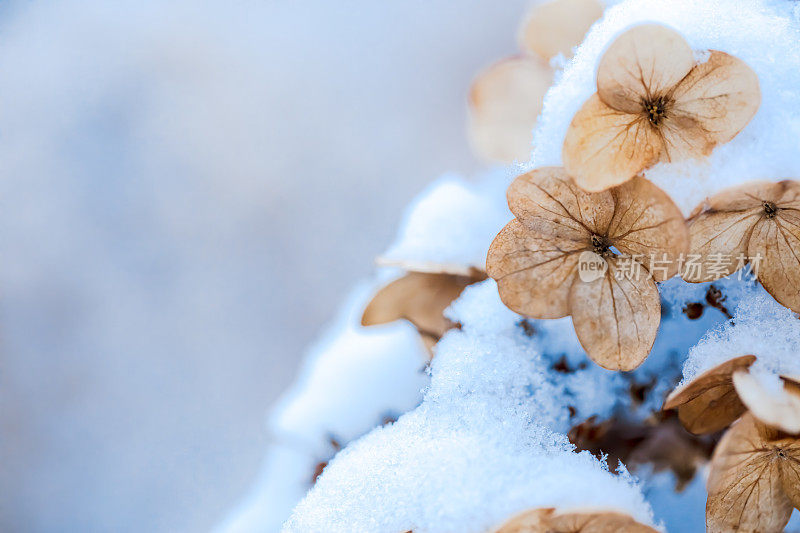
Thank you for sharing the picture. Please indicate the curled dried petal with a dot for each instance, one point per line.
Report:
(745, 485)
(709, 402)
(420, 298)
(548, 201)
(504, 102)
(778, 409)
(616, 316)
(533, 273)
(648, 226)
(605, 147)
(646, 61)
(558, 26)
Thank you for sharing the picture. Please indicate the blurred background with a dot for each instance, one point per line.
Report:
(188, 191)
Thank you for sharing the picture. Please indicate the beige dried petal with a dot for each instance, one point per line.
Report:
(431, 267)
(532, 521)
(720, 95)
(719, 233)
(420, 298)
(595, 522)
(649, 226)
(616, 317)
(533, 273)
(778, 409)
(548, 201)
(504, 102)
(776, 241)
(745, 485)
(604, 147)
(558, 26)
(647, 60)
(709, 402)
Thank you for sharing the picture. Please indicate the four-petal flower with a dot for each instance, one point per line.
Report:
(634, 230)
(654, 103)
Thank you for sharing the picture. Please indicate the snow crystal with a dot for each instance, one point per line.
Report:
(453, 222)
(765, 149)
(479, 449)
(761, 327)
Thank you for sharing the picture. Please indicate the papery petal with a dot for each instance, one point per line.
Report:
(720, 96)
(420, 298)
(774, 251)
(644, 62)
(616, 317)
(745, 484)
(790, 470)
(649, 226)
(596, 522)
(532, 521)
(558, 26)
(778, 409)
(717, 241)
(709, 402)
(605, 147)
(788, 194)
(504, 102)
(548, 201)
(533, 272)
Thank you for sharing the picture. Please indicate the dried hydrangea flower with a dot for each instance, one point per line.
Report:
(654, 103)
(754, 480)
(420, 298)
(779, 409)
(506, 98)
(540, 260)
(548, 521)
(504, 102)
(556, 27)
(757, 222)
(709, 402)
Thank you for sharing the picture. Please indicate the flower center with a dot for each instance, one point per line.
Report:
(655, 109)
(600, 245)
(770, 209)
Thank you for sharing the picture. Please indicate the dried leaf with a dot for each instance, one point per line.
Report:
(653, 104)
(746, 481)
(616, 317)
(709, 402)
(778, 409)
(558, 26)
(647, 60)
(605, 147)
(420, 298)
(504, 102)
(648, 226)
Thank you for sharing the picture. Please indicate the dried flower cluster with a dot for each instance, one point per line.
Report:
(506, 98)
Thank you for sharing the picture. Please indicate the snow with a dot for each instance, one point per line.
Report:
(761, 327)
(351, 381)
(479, 449)
(453, 222)
(765, 149)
